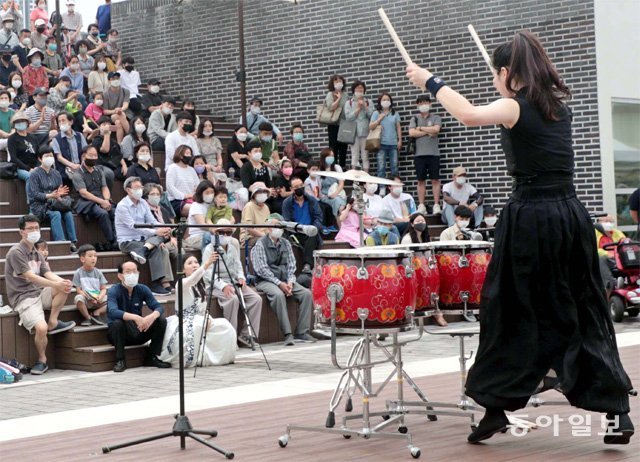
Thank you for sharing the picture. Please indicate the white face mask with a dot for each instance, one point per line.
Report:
(207, 132)
(396, 190)
(98, 102)
(102, 66)
(255, 110)
(241, 136)
(424, 108)
(64, 127)
(261, 198)
(208, 198)
(16, 83)
(461, 179)
(313, 176)
(154, 200)
(463, 224)
(256, 156)
(131, 279)
(608, 226)
(276, 233)
(48, 162)
(358, 94)
(490, 221)
(154, 89)
(33, 237)
(136, 193)
(386, 104)
(224, 240)
(372, 188)
(115, 83)
(167, 110)
(338, 86)
(140, 128)
(4, 104)
(144, 157)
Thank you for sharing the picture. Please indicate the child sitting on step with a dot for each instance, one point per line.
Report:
(91, 287)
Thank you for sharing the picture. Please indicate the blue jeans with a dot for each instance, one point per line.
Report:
(391, 151)
(24, 176)
(56, 219)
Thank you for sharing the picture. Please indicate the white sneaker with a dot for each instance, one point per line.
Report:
(422, 209)
(436, 209)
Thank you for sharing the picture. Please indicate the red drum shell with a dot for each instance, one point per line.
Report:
(386, 292)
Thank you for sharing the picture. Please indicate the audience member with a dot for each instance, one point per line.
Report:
(275, 268)
(86, 62)
(190, 107)
(179, 137)
(423, 131)
(384, 233)
(49, 199)
(91, 288)
(460, 230)
(94, 203)
(107, 142)
(331, 189)
(95, 42)
(76, 77)
(400, 204)
(116, 101)
(388, 118)
(255, 119)
(67, 146)
(161, 209)
(350, 225)
(143, 244)
(359, 109)
(39, 12)
(255, 212)
(417, 232)
(20, 51)
(103, 17)
(161, 123)
(112, 51)
(373, 202)
(607, 233)
(34, 75)
(460, 192)
(490, 218)
(209, 145)
(255, 170)
(335, 100)
(297, 152)
(270, 155)
(182, 181)
(229, 274)
(6, 66)
(52, 61)
(6, 114)
(127, 326)
(152, 100)
(142, 167)
(42, 118)
(98, 78)
(130, 81)
(22, 147)
(237, 151)
(39, 35)
(8, 38)
(202, 199)
(220, 209)
(32, 287)
(59, 95)
(281, 186)
(137, 134)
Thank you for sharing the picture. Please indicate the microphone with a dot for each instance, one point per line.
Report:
(294, 227)
(471, 235)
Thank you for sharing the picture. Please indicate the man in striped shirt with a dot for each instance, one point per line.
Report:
(42, 118)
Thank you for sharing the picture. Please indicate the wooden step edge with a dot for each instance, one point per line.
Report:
(106, 348)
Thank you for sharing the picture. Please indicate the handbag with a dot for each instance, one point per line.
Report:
(326, 116)
(8, 170)
(373, 143)
(62, 205)
(347, 131)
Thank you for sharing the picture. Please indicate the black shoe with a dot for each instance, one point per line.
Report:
(120, 366)
(494, 421)
(113, 246)
(99, 247)
(155, 362)
(620, 433)
(157, 289)
(74, 247)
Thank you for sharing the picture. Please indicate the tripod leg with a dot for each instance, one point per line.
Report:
(227, 454)
(211, 433)
(159, 436)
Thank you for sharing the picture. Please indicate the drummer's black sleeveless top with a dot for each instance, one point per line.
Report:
(536, 147)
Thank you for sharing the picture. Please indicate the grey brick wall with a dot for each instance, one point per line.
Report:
(292, 49)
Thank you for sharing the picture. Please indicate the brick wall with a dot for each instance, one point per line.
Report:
(292, 49)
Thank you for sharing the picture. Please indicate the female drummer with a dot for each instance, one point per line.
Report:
(544, 320)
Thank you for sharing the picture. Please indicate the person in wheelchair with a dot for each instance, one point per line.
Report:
(606, 233)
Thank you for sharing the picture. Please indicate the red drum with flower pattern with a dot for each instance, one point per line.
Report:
(425, 270)
(380, 280)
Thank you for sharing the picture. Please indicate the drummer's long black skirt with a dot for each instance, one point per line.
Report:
(544, 319)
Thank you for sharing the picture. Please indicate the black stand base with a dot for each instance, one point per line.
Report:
(181, 428)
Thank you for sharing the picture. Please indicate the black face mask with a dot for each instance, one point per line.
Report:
(187, 128)
(128, 68)
(90, 162)
(95, 33)
(186, 160)
(40, 29)
(420, 226)
(299, 192)
(6, 58)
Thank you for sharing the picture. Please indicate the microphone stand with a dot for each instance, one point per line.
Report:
(182, 427)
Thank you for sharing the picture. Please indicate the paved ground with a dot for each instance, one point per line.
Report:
(60, 390)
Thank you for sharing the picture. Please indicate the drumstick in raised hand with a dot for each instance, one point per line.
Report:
(481, 47)
(394, 36)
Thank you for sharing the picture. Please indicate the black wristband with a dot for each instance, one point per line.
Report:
(434, 84)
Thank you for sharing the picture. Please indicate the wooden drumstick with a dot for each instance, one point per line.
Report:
(394, 36)
(481, 47)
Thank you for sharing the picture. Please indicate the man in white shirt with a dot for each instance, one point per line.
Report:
(179, 137)
(373, 201)
(130, 80)
(400, 204)
(72, 21)
(460, 231)
(460, 192)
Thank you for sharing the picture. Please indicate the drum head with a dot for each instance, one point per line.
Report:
(363, 252)
(421, 246)
(459, 245)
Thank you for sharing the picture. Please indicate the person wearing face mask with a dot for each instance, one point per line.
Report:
(76, 76)
(204, 171)
(98, 78)
(255, 212)
(303, 209)
(137, 134)
(230, 274)
(190, 107)
(418, 231)
(39, 14)
(42, 118)
(130, 80)
(182, 181)
(331, 189)
(47, 194)
(255, 118)
(127, 325)
(460, 192)
(360, 109)
(39, 35)
(7, 67)
(275, 267)
(68, 146)
(400, 204)
(161, 123)
(384, 232)
(489, 220)
(107, 142)
(103, 17)
(5, 118)
(141, 244)
(116, 101)
(388, 118)
(12, 8)
(72, 20)
(22, 148)
(255, 170)
(270, 155)
(460, 230)
(113, 51)
(335, 101)
(85, 60)
(33, 288)
(142, 167)
(202, 200)
(96, 44)
(179, 137)
(153, 195)
(20, 51)
(94, 111)
(607, 233)
(60, 95)
(152, 99)
(95, 202)
(373, 202)
(281, 185)
(423, 130)
(237, 150)
(8, 37)
(52, 61)
(209, 145)
(350, 225)
(297, 152)
(34, 75)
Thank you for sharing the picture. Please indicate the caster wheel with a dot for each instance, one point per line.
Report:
(283, 441)
(385, 417)
(366, 437)
(349, 406)
(403, 429)
(474, 426)
(229, 455)
(346, 437)
(331, 420)
(432, 417)
(415, 452)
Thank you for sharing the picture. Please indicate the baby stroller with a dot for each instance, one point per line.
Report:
(625, 296)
